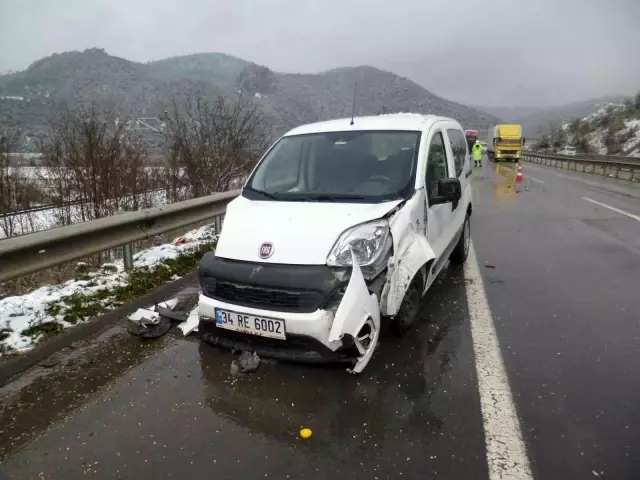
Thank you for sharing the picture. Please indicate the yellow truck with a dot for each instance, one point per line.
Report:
(505, 142)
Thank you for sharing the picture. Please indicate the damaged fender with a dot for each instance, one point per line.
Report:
(411, 252)
(357, 308)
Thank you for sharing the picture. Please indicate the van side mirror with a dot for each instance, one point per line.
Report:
(449, 191)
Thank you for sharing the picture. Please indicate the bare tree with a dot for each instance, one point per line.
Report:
(212, 142)
(91, 157)
(18, 191)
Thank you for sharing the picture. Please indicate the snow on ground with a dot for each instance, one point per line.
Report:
(596, 141)
(634, 142)
(20, 312)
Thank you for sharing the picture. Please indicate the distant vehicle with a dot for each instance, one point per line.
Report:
(505, 142)
(471, 136)
(484, 147)
(567, 151)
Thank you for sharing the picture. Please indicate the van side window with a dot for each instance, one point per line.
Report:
(459, 149)
(437, 167)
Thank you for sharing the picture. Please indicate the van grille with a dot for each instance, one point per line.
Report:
(261, 297)
(508, 152)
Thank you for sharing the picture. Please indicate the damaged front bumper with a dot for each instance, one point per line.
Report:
(327, 318)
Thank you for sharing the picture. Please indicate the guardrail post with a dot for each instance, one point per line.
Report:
(127, 256)
(218, 224)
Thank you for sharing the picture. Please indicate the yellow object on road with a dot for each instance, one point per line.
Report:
(305, 433)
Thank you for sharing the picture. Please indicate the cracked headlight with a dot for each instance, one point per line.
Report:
(369, 242)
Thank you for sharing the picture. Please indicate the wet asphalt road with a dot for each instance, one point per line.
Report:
(564, 296)
(563, 293)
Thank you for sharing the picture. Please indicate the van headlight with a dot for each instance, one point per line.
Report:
(370, 243)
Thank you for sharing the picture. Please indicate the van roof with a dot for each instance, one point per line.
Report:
(395, 121)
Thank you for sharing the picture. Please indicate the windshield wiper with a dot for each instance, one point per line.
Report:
(270, 196)
(321, 197)
(305, 197)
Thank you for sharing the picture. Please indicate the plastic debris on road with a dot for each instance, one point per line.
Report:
(144, 315)
(191, 324)
(147, 324)
(305, 433)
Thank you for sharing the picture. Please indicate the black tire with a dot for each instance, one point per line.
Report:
(409, 308)
(461, 252)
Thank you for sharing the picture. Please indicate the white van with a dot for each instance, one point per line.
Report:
(340, 224)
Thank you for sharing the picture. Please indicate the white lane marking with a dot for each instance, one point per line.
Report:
(535, 179)
(506, 453)
(622, 212)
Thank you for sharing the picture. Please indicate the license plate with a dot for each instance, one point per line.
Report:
(244, 323)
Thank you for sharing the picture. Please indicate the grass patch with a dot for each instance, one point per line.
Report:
(5, 333)
(79, 306)
(43, 331)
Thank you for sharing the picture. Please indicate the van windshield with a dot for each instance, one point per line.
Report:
(361, 166)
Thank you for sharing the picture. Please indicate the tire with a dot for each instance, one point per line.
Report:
(461, 251)
(409, 308)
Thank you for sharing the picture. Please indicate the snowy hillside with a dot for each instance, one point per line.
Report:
(614, 129)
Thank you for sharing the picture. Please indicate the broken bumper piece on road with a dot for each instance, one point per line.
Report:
(147, 323)
(347, 334)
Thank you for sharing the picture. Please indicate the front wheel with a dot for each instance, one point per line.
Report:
(461, 251)
(409, 309)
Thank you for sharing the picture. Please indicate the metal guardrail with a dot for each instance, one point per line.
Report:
(31, 253)
(626, 168)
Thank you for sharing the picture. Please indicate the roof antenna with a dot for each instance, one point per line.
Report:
(353, 108)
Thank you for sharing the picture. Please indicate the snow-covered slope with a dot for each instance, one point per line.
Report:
(614, 129)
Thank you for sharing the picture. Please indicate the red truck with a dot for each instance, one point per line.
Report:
(472, 136)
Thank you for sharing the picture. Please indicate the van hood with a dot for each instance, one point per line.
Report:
(301, 233)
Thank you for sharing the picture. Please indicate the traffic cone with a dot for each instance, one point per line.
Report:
(518, 178)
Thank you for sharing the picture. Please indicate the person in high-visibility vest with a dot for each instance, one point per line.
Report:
(477, 153)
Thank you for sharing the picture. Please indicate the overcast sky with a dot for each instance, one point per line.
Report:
(483, 52)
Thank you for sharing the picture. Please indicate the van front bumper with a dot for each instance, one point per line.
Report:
(328, 314)
(307, 334)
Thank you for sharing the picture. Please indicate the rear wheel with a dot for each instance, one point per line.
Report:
(461, 251)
